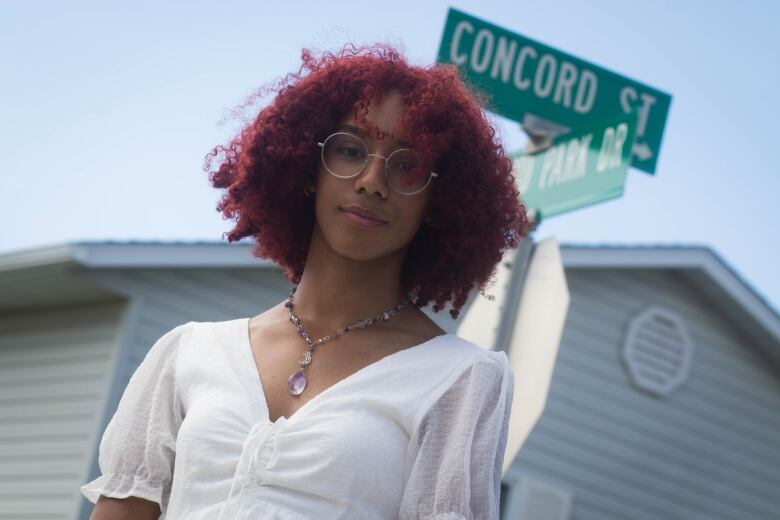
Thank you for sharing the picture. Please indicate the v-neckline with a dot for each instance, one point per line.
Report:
(255, 368)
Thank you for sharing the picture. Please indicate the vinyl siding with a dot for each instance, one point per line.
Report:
(709, 449)
(55, 365)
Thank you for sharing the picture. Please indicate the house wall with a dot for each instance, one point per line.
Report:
(55, 364)
(708, 450)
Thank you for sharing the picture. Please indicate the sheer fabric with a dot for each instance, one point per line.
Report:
(138, 447)
(457, 471)
(420, 433)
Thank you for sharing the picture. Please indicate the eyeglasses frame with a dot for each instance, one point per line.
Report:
(369, 156)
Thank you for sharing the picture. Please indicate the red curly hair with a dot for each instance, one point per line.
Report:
(475, 212)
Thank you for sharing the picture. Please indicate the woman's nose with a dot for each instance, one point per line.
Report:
(372, 178)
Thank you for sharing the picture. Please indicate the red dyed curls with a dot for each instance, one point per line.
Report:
(475, 212)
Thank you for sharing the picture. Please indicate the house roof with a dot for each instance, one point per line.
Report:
(135, 255)
(57, 273)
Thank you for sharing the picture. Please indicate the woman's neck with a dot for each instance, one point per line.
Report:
(335, 291)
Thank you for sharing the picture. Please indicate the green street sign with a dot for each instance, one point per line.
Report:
(527, 79)
(579, 169)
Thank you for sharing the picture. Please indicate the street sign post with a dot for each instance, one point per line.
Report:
(579, 168)
(527, 79)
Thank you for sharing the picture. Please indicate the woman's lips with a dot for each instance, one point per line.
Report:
(360, 220)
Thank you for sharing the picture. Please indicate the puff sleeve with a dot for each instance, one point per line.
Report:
(456, 472)
(137, 450)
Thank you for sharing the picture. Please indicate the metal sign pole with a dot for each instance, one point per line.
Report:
(513, 293)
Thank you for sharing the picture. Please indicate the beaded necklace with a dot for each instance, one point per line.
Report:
(297, 381)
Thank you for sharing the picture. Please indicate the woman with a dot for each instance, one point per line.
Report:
(380, 188)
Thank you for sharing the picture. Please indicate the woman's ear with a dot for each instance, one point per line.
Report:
(309, 188)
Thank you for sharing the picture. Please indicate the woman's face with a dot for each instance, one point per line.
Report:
(400, 215)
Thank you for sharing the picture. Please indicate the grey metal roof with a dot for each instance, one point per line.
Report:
(135, 254)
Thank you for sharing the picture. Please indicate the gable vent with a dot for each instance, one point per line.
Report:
(657, 350)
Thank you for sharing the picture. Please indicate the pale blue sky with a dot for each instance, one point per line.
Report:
(107, 110)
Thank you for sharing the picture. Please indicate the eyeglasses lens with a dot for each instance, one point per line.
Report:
(405, 171)
(344, 155)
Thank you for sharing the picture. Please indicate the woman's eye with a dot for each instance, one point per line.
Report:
(351, 152)
(406, 165)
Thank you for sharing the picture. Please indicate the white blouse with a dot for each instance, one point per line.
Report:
(420, 433)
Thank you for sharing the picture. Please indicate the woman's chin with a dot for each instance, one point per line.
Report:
(358, 249)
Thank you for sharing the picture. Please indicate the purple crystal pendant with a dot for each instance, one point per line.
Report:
(296, 383)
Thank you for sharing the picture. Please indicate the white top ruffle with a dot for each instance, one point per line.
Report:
(420, 433)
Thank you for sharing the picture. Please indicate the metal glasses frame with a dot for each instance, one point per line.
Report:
(367, 161)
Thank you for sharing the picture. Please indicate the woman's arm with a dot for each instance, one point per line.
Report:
(456, 472)
(130, 508)
(138, 448)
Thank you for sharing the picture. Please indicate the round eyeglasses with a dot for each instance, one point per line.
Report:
(345, 155)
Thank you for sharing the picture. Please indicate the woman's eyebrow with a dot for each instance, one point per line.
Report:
(346, 127)
(352, 129)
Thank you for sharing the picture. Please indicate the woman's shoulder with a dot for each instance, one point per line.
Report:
(170, 342)
(462, 349)
(182, 343)
(216, 331)
(462, 362)
(472, 353)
